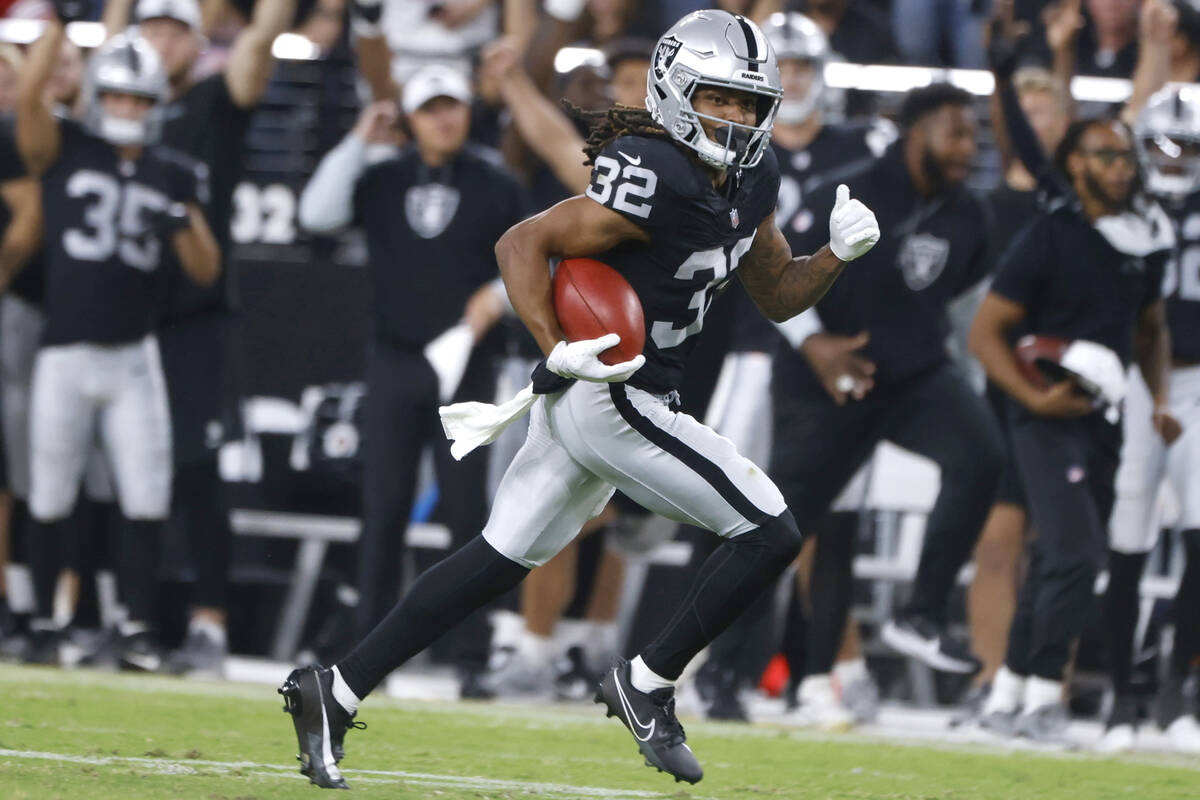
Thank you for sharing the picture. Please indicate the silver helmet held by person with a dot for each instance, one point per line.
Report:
(796, 37)
(714, 48)
(1167, 136)
(125, 64)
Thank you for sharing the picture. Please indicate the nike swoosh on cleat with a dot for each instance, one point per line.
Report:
(331, 768)
(630, 159)
(629, 715)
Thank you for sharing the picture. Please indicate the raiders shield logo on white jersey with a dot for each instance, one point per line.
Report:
(430, 208)
(923, 256)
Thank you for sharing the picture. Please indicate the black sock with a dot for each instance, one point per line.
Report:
(1186, 609)
(137, 568)
(44, 551)
(795, 634)
(729, 581)
(1121, 613)
(830, 590)
(438, 600)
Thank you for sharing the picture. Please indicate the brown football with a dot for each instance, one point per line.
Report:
(592, 299)
(1038, 358)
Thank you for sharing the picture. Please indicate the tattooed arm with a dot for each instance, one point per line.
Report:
(780, 285)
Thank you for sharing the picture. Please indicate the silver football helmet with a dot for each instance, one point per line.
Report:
(125, 64)
(1167, 136)
(714, 48)
(795, 36)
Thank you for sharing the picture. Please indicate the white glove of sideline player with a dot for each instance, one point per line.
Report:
(852, 227)
(581, 360)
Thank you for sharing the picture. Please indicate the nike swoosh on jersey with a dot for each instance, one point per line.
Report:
(629, 715)
(630, 159)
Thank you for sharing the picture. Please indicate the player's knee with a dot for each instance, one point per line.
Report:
(780, 537)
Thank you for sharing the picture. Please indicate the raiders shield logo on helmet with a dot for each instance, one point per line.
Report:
(430, 208)
(664, 55)
(922, 258)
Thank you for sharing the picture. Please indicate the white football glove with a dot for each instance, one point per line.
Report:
(579, 360)
(852, 227)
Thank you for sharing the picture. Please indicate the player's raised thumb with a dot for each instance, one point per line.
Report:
(843, 196)
(860, 339)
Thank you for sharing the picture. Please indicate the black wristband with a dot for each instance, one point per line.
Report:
(174, 218)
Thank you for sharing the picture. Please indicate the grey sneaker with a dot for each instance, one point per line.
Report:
(200, 656)
(516, 676)
(997, 724)
(861, 696)
(971, 706)
(1045, 724)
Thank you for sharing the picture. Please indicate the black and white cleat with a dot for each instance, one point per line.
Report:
(652, 721)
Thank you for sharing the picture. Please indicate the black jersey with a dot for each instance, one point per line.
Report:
(698, 234)
(1074, 284)
(1181, 286)
(206, 124)
(931, 250)
(800, 171)
(29, 283)
(431, 236)
(102, 254)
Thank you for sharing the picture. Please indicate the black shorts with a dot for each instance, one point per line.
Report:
(200, 363)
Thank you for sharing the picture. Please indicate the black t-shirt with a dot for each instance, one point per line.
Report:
(800, 171)
(29, 283)
(930, 251)
(698, 235)
(207, 125)
(863, 36)
(1181, 286)
(431, 235)
(102, 255)
(1011, 211)
(1073, 284)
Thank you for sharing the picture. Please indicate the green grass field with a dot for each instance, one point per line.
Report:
(94, 735)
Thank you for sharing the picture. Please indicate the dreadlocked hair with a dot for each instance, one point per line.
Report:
(613, 123)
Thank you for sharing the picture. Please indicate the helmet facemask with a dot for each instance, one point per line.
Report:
(1171, 161)
(125, 65)
(732, 144)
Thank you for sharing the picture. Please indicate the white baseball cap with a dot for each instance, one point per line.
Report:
(185, 11)
(434, 80)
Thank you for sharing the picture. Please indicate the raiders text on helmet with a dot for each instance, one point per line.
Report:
(125, 64)
(795, 36)
(714, 48)
(1167, 135)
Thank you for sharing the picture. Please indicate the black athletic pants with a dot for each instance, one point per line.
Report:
(820, 445)
(1067, 467)
(400, 418)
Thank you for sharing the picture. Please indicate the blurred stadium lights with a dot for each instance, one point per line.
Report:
(288, 46)
(569, 59)
(880, 78)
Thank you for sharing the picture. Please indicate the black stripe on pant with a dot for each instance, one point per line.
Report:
(712, 473)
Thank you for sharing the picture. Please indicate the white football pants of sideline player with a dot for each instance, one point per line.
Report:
(1145, 460)
(82, 392)
(594, 437)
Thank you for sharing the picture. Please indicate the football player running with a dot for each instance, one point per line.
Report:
(1167, 138)
(682, 196)
(113, 202)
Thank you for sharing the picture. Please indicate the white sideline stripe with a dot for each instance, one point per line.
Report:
(191, 766)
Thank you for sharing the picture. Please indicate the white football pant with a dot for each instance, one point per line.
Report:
(1145, 460)
(117, 394)
(595, 437)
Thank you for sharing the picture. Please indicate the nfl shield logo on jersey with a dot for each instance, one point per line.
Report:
(430, 208)
(733, 217)
(922, 258)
